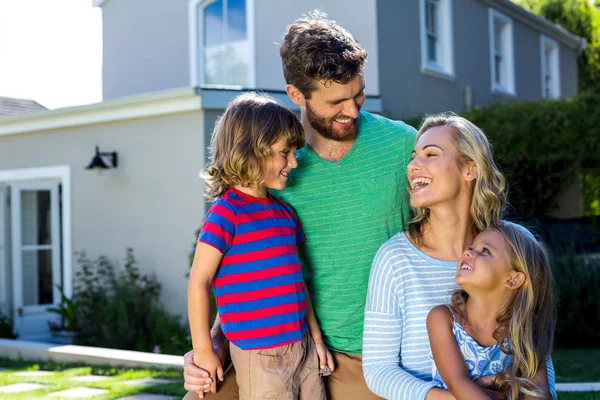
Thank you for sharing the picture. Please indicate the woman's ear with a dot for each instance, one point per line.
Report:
(470, 170)
(295, 95)
(515, 281)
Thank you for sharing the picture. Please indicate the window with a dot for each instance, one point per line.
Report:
(501, 53)
(437, 56)
(221, 46)
(550, 68)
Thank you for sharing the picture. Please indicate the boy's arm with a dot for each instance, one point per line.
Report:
(205, 264)
(447, 356)
(325, 358)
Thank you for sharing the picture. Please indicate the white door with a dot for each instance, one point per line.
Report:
(36, 269)
(4, 286)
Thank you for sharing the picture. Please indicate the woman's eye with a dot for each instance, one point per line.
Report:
(431, 154)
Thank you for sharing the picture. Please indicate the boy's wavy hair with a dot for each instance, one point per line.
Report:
(489, 191)
(241, 142)
(315, 49)
(527, 320)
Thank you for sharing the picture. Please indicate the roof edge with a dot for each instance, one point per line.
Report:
(98, 3)
(556, 31)
(138, 106)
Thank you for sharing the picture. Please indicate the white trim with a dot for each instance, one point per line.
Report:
(62, 173)
(139, 106)
(555, 66)
(444, 68)
(508, 53)
(195, 26)
(98, 3)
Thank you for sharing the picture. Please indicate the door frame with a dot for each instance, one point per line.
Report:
(61, 173)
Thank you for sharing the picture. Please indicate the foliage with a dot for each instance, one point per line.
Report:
(576, 365)
(67, 312)
(122, 309)
(6, 327)
(542, 148)
(583, 19)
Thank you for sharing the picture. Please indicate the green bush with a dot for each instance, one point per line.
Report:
(542, 147)
(6, 327)
(122, 309)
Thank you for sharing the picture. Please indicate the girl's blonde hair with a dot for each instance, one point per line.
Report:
(489, 191)
(242, 139)
(527, 320)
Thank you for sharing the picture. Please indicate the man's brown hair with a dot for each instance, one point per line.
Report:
(316, 49)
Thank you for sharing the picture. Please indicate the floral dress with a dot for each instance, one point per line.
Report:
(480, 361)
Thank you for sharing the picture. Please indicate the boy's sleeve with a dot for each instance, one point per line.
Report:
(219, 227)
(300, 238)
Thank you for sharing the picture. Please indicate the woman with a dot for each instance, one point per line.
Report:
(457, 192)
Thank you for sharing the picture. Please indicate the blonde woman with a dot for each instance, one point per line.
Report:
(457, 191)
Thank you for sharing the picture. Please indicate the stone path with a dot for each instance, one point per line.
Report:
(148, 381)
(78, 393)
(20, 387)
(146, 396)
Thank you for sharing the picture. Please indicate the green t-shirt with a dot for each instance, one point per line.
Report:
(348, 209)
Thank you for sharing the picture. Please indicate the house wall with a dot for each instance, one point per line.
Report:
(152, 202)
(406, 92)
(145, 46)
(146, 43)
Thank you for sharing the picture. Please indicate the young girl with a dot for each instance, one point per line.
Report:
(247, 250)
(502, 321)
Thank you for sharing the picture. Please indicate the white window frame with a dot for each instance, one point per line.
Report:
(444, 67)
(196, 27)
(554, 62)
(507, 43)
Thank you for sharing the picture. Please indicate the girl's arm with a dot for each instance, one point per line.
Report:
(541, 381)
(205, 264)
(448, 358)
(382, 337)
(325, 358)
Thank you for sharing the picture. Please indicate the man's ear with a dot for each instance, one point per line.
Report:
(295, 95)
(470, 171)
(516, 280)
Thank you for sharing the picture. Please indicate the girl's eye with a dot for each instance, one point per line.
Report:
(485, 250)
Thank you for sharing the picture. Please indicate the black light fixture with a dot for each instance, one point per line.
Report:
(98, 162)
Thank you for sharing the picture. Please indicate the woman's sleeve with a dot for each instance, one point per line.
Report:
(383, 335)
(551, 378)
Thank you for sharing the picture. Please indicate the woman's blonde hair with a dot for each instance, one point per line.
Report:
(489, 191)
(527, 320)
(242, 139)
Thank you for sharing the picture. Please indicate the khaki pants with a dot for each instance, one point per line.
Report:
(346, 382)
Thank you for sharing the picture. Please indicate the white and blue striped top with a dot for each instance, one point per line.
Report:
(405, 284)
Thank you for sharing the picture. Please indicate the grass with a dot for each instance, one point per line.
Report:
(577, 365)
(579, 396)
(60, 380)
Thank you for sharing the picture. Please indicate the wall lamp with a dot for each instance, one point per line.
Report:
(98, 163)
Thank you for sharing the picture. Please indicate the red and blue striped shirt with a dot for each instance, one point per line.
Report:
(258, 286)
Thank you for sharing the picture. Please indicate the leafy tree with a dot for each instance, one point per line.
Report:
(582, 18)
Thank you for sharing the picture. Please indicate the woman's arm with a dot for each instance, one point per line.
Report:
(205, 264)
(448, 358)
(382, 338)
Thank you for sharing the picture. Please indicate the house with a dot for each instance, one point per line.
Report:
(170, 68)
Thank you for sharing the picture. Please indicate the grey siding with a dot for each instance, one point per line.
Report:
(145, 46)
(406, 92)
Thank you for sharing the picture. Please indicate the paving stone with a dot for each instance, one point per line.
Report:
(146, 396)
(578, 387)
(149, 381)
(78, 393)
(20, 387)
(34, 374)
(90, 378)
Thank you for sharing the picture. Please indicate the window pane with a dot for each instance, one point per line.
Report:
(226, 48)
(37, 277)
(431, 48)
(35, 217)
(498, 67)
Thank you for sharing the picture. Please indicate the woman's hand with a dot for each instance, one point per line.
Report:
(326, 365)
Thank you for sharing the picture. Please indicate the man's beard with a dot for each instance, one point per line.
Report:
(324, 127)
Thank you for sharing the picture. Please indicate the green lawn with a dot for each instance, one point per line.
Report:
(577, 365)
(579, 396)
(62, 372)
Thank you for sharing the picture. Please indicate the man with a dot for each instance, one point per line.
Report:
(349, 191)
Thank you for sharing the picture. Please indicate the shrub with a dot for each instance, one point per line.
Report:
(122, 309)
(6, 327)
